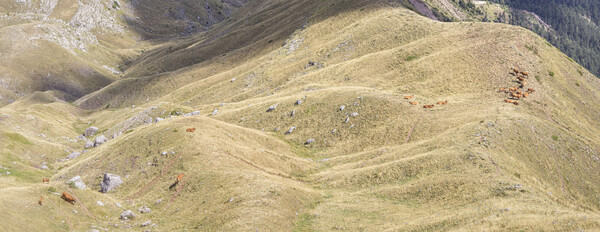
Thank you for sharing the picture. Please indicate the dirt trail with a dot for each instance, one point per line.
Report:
(153, 181)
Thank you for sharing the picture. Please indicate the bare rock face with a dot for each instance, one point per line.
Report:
(110, 182)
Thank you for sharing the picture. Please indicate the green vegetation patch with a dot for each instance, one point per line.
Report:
(18, 138)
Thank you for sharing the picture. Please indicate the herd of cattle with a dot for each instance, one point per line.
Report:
(514, 93)
(425, 106)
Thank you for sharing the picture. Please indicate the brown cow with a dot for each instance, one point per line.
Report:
(442, 102)
(190, 129)
(41, 201)
(512, 89)
(428, 106)
(531, 90)
(67, 197)
(409, 97)
(413, 103)
(515, 70)
(520, 78)
(515, 95)
(525, 74)
(511, 101)
(526, 94)
(179, 178)
(46, 180)
(519, 92)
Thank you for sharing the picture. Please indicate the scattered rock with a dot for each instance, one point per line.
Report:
(118, 205)
(89, 144)
(298, 102)
(158, 201)
(117, 134)
(215, 112)
(342, 107)
(76, 182)
(127, 215)
(158, 119)
(309, 141)
(100, 140)
(110, 182)
(81, 137)
(195, 113)
(292, 113)
(44, 167)
(90, 131)
(271, 108)
(74, 155)
(147, 223)
(290, 130)
(144, 209)
(75, 211)
(232, 79)
(99, 203)
(333, 131)
(354, 114)
(347, 120)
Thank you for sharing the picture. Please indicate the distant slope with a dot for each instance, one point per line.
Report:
(78, 47)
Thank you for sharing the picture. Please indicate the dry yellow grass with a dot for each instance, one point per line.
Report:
(475, 163)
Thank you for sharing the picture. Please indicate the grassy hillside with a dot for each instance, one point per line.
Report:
(377, 163)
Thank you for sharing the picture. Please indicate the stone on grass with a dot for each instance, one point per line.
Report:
(309, 141)
(273, 107)
(89, 144)
(110, 182)
(100, 140)
(144, 209)
(127, 215)
(76, 182)
(147, 223)
(90, 131)
(290, 130)
(74, 155)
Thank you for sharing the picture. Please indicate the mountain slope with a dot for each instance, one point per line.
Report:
(378, 163)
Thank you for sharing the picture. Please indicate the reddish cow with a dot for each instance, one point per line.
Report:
(428, 106)
(67, 197)
(179, 178)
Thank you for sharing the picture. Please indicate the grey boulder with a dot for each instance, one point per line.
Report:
(100, 140)
(127, 215)
(110, 182)
(77, 182)
(90, 131)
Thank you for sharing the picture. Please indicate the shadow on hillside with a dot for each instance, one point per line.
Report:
(257, 27)
(158, 19)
